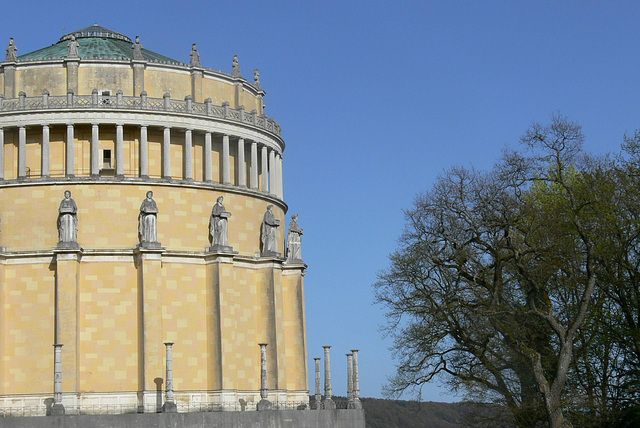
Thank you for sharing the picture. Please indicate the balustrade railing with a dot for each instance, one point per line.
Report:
(119, 101)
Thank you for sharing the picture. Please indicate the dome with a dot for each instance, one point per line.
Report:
(95, 42)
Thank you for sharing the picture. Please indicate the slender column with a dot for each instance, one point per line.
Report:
(45, 151)
(356, 380)
(188, 154)
(226, 174)
(254, 165)
(22, 152)
(166, 153)
(169, 403)
(241, 169)
(350, 377)
(318, 392)
(272, 172)
(95, 150)
(119, 151)
(328, 402)
(70, 142)
(279, 168)
(265, 172)
(263, 404)
(144, 152)
(58, 408)
(1, 153)
(208, 161)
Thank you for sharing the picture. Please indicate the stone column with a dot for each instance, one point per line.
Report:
(45, 151)
(279, 168)
(272, 172)
(22, 152)
(356, 381)
(58, 408)
(119, 150)
(95, 150)
(144, 152)
(263, 404)
(70, 143)
(188, 155)
(208, 161)
(226, 166)
(350, 378)
(1, 153)
(328, 402)
(254, 165)
(241, 168)
(166, 153)
(169, 403)
(318, 392)
(265, 172)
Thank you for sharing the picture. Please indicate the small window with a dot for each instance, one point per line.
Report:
(106, 158)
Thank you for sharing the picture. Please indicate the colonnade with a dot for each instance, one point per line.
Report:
(263, 160)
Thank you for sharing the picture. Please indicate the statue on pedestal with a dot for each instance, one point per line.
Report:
(12, 50)
(294, 240)
(72, 48)
(195, 56)
(269, 236)
(137, 49)
(68, 223)
(219, 228)
(235, 67)
(148, 223)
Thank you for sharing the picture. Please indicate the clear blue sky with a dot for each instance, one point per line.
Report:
(375, 99)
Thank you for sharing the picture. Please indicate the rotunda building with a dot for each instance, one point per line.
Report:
(141, 204)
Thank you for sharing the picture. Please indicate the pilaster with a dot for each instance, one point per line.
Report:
(66, 328)
(9, 80)
(1, 153)
(138, 76)
(196, 85)
(72, 74)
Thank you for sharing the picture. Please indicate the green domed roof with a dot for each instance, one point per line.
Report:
(96, 42)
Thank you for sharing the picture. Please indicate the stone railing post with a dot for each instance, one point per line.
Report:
(94, 98)
(167, 101)
(189, 101)
(328, 403)
(143, 99)
(58, 408)
(119, 95)
(318, 392)
(45, 99)
(225, 108)
(21, 100)
(356, 381)
(70, 98)
(169, 403)
(263, 404)
(207, 106)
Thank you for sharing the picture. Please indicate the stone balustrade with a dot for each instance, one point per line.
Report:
(144, 103)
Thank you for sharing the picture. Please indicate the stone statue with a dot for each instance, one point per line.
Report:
(68, 222)
(148, 222)
(218, 227)
(256, 80)
(12, 50)
(269, 236)
(195, 56)
(137, 49)
(294, 240)
(235, 67)
(72, 48)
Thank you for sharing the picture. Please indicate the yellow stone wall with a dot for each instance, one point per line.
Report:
(157, 82)
(33, 80)
(105, 77)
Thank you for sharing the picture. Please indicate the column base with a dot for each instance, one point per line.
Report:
(169, 407)
(57, 410)
(328, 404)
(264, 404)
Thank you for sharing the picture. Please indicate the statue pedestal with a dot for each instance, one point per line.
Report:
(169, 407)
(270, 254)
(57, 410)
(328, 404)
(219, 249)
(150, 245)
(68, 246)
